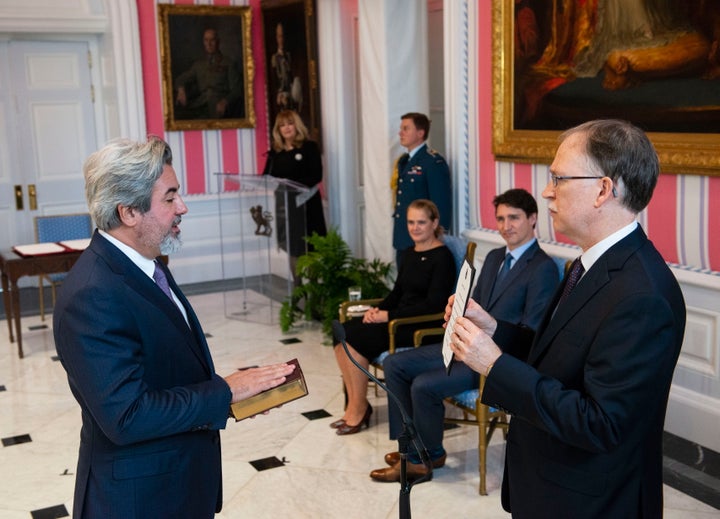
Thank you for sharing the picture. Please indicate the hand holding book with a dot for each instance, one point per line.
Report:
(462, 296)
(272, 395)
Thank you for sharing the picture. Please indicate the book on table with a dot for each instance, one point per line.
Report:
(293, 388)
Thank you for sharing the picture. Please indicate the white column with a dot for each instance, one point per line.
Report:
(340, 128)
(394, 80)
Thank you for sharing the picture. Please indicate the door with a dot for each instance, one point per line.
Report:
(47, 131)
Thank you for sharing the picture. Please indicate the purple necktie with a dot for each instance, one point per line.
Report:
(576, 271)
(161, 281)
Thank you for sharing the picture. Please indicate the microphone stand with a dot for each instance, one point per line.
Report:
(407, 436)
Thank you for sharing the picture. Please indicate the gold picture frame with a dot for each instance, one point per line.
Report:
(679, 152)
(207, 67)
(291, 61)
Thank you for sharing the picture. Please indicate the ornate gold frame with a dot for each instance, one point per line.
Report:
(223, 18)
(686, 153)
(304, 17)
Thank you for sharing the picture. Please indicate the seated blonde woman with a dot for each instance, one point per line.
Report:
(425, 281)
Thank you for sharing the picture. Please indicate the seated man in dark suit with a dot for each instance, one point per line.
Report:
(516, 282)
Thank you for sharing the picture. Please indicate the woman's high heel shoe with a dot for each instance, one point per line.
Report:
(337, 424)
(352, 429)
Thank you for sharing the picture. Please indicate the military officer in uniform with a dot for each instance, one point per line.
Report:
(420, 173)
(212, 87)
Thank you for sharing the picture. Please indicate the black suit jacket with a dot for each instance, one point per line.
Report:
(151, 402)
(588, 397)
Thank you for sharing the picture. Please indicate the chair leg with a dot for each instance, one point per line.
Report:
(482, 454)
(41, 298)
(53, 291)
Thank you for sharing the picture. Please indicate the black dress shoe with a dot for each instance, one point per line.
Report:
(391, 458)
(352, 429)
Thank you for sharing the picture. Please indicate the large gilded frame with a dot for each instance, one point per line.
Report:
(299, 21)
(686, 153)
(181, 29)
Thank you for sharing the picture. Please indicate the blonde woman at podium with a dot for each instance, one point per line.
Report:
(294, 157)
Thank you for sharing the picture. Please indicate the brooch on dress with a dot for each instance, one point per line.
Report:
(298, 156)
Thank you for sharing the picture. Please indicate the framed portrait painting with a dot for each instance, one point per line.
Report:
(291, 64)
(655, 63)
(207, 67)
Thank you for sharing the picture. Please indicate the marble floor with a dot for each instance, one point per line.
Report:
(323, 475)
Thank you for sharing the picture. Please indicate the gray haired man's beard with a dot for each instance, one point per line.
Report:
(170, 244)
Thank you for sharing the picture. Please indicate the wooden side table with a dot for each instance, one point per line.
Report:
(13, 267)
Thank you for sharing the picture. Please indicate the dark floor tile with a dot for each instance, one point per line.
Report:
(692, 485)
(317, 414)
(50, 513)
(38, 327)
(16, 440)
(266, 463)
(692, 469)
(692, 454)
(291, 340)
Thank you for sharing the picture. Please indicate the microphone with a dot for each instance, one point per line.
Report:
(339, 333)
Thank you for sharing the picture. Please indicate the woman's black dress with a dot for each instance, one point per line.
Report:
(424, 283)
(303, 165)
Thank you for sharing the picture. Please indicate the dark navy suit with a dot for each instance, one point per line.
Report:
(425, 175)
(151, 402)
(588, 394)
(418, 376)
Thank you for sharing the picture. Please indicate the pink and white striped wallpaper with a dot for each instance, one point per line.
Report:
(683, 219)
(200, 153)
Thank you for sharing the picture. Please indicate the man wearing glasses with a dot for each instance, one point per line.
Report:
(588, 391)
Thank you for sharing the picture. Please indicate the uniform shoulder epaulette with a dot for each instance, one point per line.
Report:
(431, 151)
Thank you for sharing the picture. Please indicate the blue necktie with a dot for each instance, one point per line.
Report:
(503, 272)
(505, 268)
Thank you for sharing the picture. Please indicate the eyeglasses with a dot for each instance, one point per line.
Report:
(554, 178)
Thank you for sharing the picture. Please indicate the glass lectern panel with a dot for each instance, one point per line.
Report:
(261, 219)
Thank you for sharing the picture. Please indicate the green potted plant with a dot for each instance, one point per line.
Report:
(327, 272)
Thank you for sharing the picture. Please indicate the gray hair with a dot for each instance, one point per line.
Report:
(624, 153)
(123, 173)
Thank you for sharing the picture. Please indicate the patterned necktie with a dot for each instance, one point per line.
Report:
(576, 271)
(161, 281)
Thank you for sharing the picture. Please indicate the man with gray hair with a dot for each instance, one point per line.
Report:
(135, 354)
(588, 391)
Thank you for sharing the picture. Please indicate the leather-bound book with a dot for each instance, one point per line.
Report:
(293, 388)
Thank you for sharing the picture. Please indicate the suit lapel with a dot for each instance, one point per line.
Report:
(192, 320)
(594, 279)
(514, 272)
(138, 281)
(487, 282)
